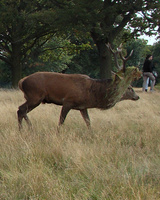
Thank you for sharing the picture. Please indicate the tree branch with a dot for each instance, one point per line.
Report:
(123, 23)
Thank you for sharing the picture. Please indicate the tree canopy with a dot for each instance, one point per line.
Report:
(106, 19)
(25, 25)
(19, 33)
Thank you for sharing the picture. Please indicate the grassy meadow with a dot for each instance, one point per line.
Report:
(119, 159)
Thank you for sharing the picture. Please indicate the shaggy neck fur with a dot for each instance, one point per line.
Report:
(108, 92)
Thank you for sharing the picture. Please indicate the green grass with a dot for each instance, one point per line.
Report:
(118, 159)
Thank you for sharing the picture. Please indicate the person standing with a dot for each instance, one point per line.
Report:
(148, 72)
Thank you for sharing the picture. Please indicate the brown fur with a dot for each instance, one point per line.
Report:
(72, 91)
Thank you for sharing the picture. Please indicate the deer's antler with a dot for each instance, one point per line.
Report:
(119, 51)
(125, 59)
(115, 54)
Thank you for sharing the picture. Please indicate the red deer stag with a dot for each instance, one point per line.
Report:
(76, 91)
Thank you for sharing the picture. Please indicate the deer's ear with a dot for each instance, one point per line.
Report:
(137, 74)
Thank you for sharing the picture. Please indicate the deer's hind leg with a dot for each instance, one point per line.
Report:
(22, 113)
(23, 110)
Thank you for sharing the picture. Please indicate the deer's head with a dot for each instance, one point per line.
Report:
(122, 79)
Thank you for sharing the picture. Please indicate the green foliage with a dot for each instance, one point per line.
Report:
(57, 51)
(20, 31)
(5, 75)
(85, 61)
(140, 50)
(147, 19)
(156, 59)
(58, 55)
(25, 26)
(106, 19)
(59, 48)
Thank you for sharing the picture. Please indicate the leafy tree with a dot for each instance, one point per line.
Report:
(85, 61)
(54, 55)
(26, 24)
(5, 74)
(156, 58)
(140, 50)
(105, 20)
(19, 33)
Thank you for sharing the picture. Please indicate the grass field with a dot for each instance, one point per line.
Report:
(119, 159)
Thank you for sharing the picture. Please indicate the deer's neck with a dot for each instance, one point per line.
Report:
(108, 92)
(99, 91)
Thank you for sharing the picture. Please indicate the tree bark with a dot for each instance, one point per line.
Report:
(16, 73)
(16, 66)
(105, 60)
(104, 55)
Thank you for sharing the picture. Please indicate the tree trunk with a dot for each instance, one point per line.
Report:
(16, 65)
(105, 60)
(16, 73)
(104, 55)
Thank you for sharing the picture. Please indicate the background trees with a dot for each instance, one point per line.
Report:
(105, 20)
(156, 58)
(19, 33)
(27, 29)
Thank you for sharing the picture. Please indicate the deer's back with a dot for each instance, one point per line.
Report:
(56, 88)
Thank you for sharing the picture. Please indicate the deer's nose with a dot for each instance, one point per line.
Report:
(136, 98)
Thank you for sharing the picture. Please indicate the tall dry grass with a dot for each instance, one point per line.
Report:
(118, 159)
